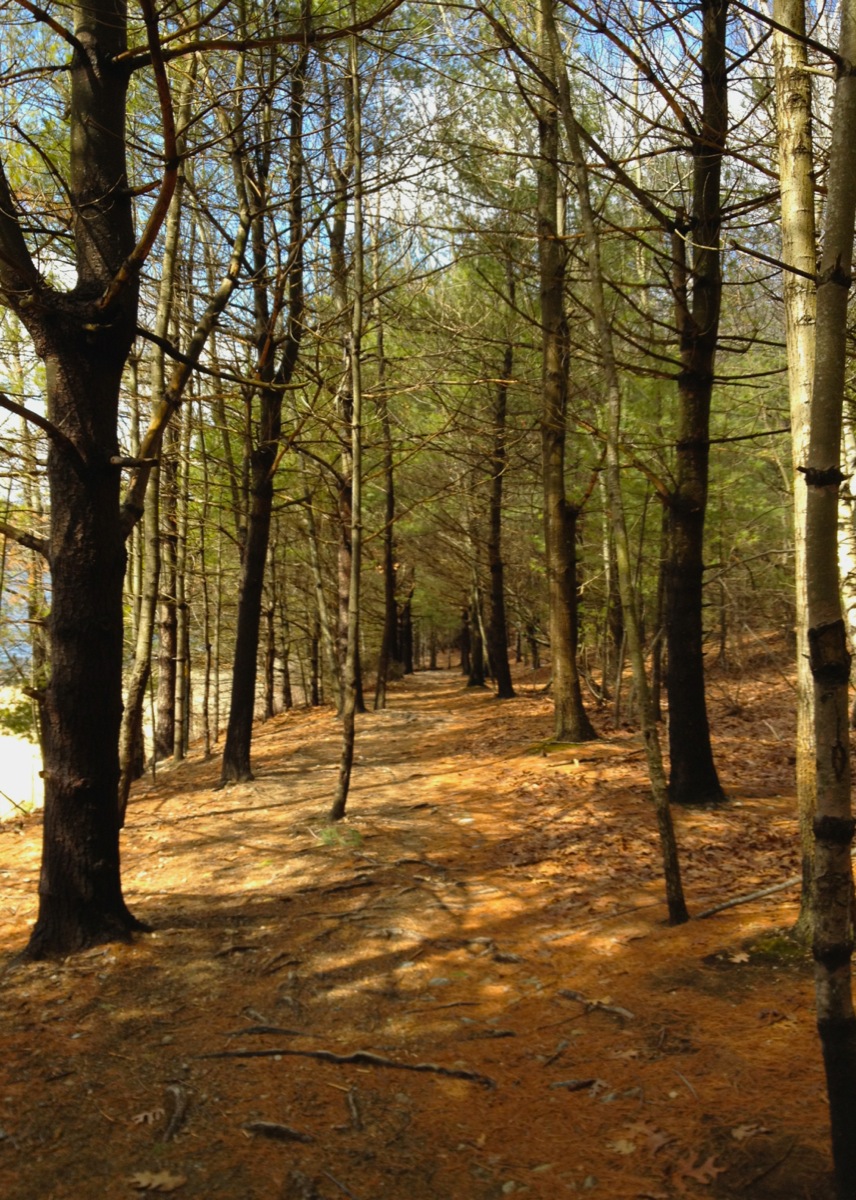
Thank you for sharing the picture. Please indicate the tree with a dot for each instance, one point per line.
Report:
(84, 335)
(352, 685)
(828, 654)
(560, 516)
(799, 249)
(288, 294)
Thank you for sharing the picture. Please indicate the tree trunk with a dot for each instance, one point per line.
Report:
(477, 663)
(693, 779)
(352, 698)
(405, 634)
(324, 631)
(668, 846)
(264, 454)
(182, 612)
(167, 625)
(497, 632)
(389, 639)
(83, 337)
(571, 721)
(829, 657)
(799, 250)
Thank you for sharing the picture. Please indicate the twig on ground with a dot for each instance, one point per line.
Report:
(181, 1097)
(277, 1132)
(342, 1188)
(267, 1029)
(596, 1005)
(359, 1056)
(685, 1081)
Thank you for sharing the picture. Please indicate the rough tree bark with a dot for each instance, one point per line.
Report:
(693, 777)
(84, 336)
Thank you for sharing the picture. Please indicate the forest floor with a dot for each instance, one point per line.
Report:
(465, 990)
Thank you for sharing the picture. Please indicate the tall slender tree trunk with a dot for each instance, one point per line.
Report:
(571, 720)
(182, 612)
(799, 250)
(352, 691)
(828, 654)
(693, 777)
(389, 639)
(342, 174)
(497, 631)
(324, 628)
(627, 589)
(164, 735)
(264, 454)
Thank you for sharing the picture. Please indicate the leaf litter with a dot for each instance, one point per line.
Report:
(406, 937)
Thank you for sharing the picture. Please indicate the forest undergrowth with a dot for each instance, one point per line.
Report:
(465, 990)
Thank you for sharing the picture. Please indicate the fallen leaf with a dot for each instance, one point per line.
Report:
(622, 1146)
(148, 1118)
(771, 1016)
(160, 1181)
(641, 1129)
(654, 1138)
(740, 957)
(706, 1172)
(742, 1132)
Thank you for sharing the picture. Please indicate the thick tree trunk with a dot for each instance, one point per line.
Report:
(693, 778)
(571, 721)
(80, 896)
(84, 342)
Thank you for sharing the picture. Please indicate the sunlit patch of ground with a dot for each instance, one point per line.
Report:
(466, 990)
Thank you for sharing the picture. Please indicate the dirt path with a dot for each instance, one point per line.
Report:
(465, 990)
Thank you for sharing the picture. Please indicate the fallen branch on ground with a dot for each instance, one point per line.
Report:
(777, 887)
(359, 1056)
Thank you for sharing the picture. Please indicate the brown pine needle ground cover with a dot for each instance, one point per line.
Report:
(466, 990)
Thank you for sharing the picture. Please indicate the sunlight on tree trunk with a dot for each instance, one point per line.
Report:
(799, 250)
(829, 657)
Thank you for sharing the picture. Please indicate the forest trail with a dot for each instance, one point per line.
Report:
(482, 939)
